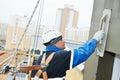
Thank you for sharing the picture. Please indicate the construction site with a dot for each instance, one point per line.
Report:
(20, 48)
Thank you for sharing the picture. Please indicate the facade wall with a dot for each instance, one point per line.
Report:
(10, 45)
(101, 68)
(15, 30)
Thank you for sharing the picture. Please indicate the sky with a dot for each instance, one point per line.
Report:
(25, 8)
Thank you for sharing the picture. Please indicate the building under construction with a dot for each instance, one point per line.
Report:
(105, 62)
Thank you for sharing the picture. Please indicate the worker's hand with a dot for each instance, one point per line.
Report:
(98, 35)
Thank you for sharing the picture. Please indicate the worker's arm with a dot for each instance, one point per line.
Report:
(82, 53)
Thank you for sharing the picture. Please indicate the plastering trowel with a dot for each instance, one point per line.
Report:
(104, 25)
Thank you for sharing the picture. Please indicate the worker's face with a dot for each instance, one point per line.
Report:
(60, 44)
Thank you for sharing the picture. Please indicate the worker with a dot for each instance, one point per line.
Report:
(62, 59)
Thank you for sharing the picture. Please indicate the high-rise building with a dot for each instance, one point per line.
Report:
(3, 29)
(15, 30)
(66, 18)
(77, 34)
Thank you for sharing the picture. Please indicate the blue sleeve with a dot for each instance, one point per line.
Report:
(82, 53)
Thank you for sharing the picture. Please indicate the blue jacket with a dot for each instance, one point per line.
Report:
(63, 59)
(80, 54)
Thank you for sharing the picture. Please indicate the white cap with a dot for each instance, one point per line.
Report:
(50, 34)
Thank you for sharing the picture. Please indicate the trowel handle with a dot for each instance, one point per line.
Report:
(101, 25)
(102, 20)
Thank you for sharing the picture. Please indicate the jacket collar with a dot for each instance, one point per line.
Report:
(52, 48)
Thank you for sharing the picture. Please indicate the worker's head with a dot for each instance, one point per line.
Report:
(53, 37)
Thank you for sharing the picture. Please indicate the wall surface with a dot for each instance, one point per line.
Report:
(95, 68)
